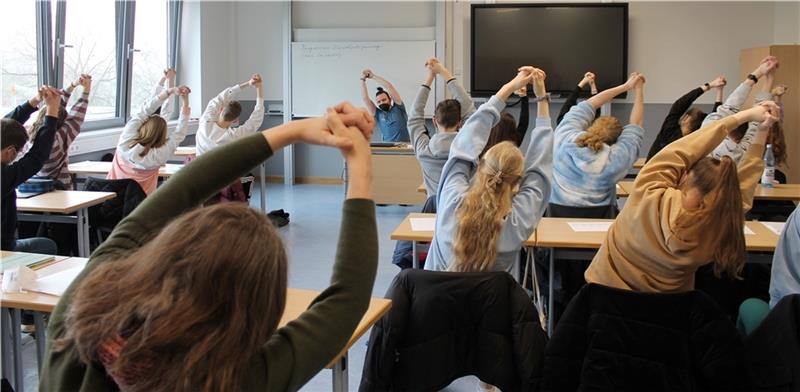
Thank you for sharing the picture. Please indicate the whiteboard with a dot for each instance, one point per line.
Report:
(326, 73)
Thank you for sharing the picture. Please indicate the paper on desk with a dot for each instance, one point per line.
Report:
(423, 224)
(747, 231)
(589, 226)
(57, 283)
(775, 227)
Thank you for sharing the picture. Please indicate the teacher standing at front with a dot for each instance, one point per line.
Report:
(388, 109)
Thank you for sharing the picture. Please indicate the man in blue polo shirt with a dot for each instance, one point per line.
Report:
(388, 109)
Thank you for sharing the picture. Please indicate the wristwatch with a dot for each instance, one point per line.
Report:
(752, 77)
(545, 97)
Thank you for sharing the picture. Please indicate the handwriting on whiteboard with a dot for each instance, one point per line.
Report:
(338, 50)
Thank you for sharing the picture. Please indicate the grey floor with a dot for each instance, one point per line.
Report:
(311, 241)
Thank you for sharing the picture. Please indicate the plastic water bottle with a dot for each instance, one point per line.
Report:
(769, 168)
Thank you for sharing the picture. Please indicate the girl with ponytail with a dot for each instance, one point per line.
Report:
(487, 207)
(593, 155)
(686, 210)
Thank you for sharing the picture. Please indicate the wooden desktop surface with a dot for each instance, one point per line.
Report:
(298, 300)
(102, 168)
(779, 192)
(556, 233)
(63, 202)
(40, 302)
(186, 151)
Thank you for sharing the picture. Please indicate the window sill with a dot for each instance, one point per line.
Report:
(106, 139)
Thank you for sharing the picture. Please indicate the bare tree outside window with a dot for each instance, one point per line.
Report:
(18, 72)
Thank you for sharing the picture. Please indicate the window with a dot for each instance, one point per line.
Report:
(18, 56)
(90, 47)
(150, 41)
(54, 41)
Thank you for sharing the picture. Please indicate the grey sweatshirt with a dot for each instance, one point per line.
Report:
(432, 152)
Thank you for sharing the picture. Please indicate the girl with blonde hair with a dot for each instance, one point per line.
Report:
(182, 298)
(686, 209)
(488, 207)
(145, 144)
(591, 157)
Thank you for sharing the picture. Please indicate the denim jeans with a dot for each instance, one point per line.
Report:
(37, 245)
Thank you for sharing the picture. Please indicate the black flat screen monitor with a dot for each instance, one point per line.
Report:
(565, 40)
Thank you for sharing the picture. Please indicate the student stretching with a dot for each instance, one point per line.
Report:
(572, 98)
(144, 145)
(13, 139)
(432, 151)
(739, 139)
(219, 125)
(197, 293)
(484, 218)
(389, 111)
(683, 120)
(591, 157)
(509, 129)
(686, 209)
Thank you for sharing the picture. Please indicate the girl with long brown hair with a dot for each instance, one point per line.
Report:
(686, 210)
(488, 207)
(145, 144)
(181, 298)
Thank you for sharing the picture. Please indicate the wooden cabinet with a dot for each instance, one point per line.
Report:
(788, 74)
(396, 176)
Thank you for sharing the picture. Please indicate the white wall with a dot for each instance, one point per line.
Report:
(678, 45)
(259, 45)
(350, 14)
(787, 23)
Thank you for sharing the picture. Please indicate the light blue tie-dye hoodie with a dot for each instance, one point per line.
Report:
(527, 206)
(785, 278)
(583, 177)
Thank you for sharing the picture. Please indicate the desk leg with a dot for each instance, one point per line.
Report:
(263, 186)
(414, 255)
(340, 382)
(16, 320)
(7, 342)
(83, 233)
(550, 291)
(38, 321)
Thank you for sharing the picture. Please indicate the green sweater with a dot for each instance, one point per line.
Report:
(296, 352)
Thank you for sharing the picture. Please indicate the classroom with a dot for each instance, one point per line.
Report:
(402, 195)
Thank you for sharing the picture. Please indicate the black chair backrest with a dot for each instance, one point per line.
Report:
(108, 214)
(600, 212)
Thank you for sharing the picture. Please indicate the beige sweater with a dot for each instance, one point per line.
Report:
(644, 250)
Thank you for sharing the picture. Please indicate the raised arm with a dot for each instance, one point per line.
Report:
(637, 113)
(253, 122)
(30, 163)
(416, 121)
(524, 113)
(572, 98)
(530, 202)
(215, 106)
(77, 113)
(739, 95)
(472, 138)
(156, 157)
(667, 167)
(393, 93)
(750, 167)
(607, 95)
(168, 81)
(371, 108)
(718, 96)
(458, 91)
(23, 112)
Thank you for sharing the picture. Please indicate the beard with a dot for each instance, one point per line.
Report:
(384, 106)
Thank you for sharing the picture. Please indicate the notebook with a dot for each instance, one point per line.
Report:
(30, 260)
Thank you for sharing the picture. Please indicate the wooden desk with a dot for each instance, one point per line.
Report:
(64, 203)
(396, 174)
(421, 188)
(623, 191)
(186, 151)
(88, 168)
(555, 233)
(298, 300)
(789, 192)
(639, 163)
(13, 304)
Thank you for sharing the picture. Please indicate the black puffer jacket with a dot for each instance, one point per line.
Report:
(620, 340)
(446, 325)
(773, 348)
